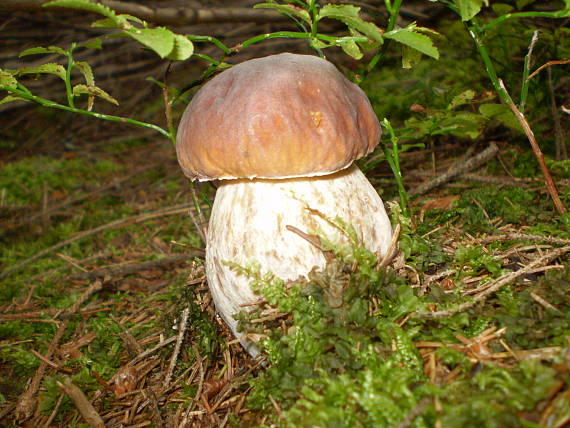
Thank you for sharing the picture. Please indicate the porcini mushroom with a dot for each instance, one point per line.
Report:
(281, 134)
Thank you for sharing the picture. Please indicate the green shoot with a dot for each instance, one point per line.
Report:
(393, 158)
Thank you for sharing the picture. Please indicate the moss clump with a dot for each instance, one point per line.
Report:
(346, 350)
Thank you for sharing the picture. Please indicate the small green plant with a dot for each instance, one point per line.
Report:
(343, 351)
(176, 47)
(479, 32)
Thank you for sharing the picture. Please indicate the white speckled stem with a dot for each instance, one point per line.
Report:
(248, 224)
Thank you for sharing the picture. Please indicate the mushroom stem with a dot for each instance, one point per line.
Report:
(249, 224)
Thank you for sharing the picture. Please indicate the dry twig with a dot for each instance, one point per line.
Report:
(170, 15)
(548, 64)
(26, 403)
(129, 268)
(548, 181)
(414, 413)
(140, 218)
(457, 169)
(153, 350)
(83, 405)
(522, 236)
(182, 330)
(498, 284)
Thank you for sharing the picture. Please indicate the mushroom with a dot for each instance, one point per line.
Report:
(281, 134)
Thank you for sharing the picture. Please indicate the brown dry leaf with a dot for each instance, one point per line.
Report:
(440, 203)
(418, 108)
(58, 195)
(447, 284)
(71, 349)
(141, 285)
(213, 386)
(125, 380)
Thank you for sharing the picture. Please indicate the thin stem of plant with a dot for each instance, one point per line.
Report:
(394, 13)
(26, 95)
(68, 89)
(476, 34)
(550, 185)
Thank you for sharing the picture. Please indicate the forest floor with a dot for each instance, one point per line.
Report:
(106, 317)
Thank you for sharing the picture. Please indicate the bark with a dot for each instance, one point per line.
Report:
(173, 16)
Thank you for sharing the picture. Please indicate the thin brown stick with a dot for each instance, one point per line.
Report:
(521, 236)
(140, 218)
(152, 350)
(489, 179)
(92, 289)
(83, 405)
(198, 219)
(559, 132)
(457, 169)
(545, 303)
(314, 240)
(498, 284)
(42, 312)
(182, 330)
(548, 64)
(55, 410)
(392, 248)
(414, 413)
(50, 363)
(129, 268)
(169, 15)
(26, 403)
(548, 181)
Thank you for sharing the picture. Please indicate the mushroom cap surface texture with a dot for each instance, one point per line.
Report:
(280, 116)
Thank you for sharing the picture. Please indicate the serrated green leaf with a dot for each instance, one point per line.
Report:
(348, 14)
(7, 79)
(105, 23)
(42, 50)
(48, 68)
(318, 44)
(463, 125)
(502, 8)
(286, 10)
(134, 19)
(409, 37)
(183, 48)
(93, 90)
(83, 5)
(352, 49)
(160, 39)
(410, 57)
(87, 72)
(10, 98)
(461, 99)
(469, 8)
(93, 44)
(365, 46)
(502, 113)
(523, 3)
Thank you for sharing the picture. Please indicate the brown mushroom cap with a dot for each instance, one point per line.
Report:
(280, 116)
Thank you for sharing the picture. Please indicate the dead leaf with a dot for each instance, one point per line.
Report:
(440, 203)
